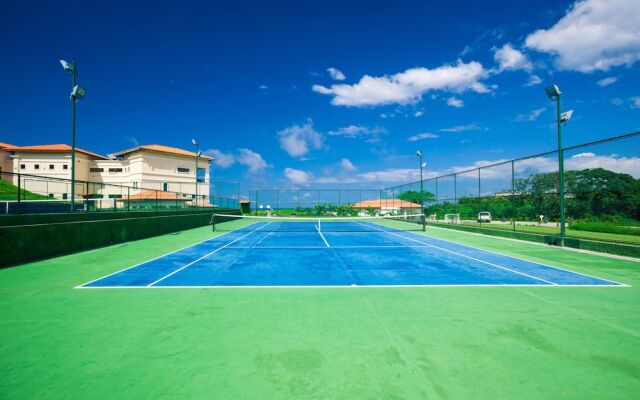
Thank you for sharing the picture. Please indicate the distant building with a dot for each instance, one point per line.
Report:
(387, 206)
(6, 163)
(153, 200)
(158, 167)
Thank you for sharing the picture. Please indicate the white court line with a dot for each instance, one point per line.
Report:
(324, 247)
(349, 286)
(466, 256)
(205, 256)
(523, 259)
(153, 259)
(322, 236)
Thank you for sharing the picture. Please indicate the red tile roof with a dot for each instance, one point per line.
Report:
(387, 203)
(3, 145)
(162, 149)
(51, 148)
(153, 194)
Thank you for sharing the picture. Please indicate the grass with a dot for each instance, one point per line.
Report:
(9, 191)
(546, 230)
(352, 343)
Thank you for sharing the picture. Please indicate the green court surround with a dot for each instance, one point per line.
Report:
(57, 342)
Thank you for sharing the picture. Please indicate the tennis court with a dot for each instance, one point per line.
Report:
(326, 252)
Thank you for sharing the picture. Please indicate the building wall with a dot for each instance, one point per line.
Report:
(6, 164)
(50, 165)
(140, 169)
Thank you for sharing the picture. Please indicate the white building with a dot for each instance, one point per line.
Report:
(157, 167)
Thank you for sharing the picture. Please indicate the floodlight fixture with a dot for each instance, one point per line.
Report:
(566, 116)
(553, 92)
(194, 141)
(419, 153)
(67, 67)
(424, 165)
(199, 154)
(77, 93)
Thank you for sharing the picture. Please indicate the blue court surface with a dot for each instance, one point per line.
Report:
(364, 255)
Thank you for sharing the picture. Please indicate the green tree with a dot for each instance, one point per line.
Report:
(417, 197)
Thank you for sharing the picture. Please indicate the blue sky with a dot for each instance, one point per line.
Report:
(323, 94)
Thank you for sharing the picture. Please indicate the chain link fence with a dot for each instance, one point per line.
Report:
(328, 202)
(521, 196)
(27, 194)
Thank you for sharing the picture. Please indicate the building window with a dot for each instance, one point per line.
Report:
(185, 170)
(165, 187)
(36, 166)
(22, 166)
(65, 166)
(135, 184)
(51, 166)
(115, 169)
(96, 169)
(115, 196)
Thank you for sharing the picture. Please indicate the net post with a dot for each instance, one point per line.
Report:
(213, 222)
(424, 222)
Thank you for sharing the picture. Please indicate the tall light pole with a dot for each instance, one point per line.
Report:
(195, 143)
(553, 92)
(419, 154)
(77, 93)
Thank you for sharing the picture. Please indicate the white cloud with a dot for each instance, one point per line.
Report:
(593, 35)
(336, 74)
(298, 140)
(133, 141)
(509, 58)
(635, 102)
(347, 165)
(420, 136)
(463, 128)
(532, 116)
(617, 101)
(354, 131)
(533, 81)
(263, 87)
(455, 102)
(418, 114)
(321, 89)
(585, 154)
(607, 81)
(252, 160)
(297, 177)
(613, 162)
(408, 86)
(501, 174)
(221, 159)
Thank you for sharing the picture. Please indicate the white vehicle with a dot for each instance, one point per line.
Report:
(484, 216)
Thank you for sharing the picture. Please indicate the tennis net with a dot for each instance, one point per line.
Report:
(224, 222)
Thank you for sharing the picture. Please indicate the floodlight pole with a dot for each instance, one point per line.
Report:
(561, 172)
(421, 188)
(196, 143)
(419, 154)
(73, 136)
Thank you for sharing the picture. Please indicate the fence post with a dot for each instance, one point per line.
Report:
(156, 201)
(455, 189)
(128, 199)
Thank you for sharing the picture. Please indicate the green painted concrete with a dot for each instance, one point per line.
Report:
(57, 342)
